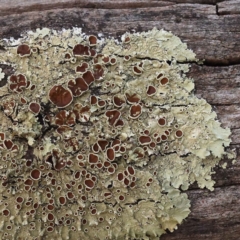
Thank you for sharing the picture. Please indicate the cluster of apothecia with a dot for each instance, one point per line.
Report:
(99, 137)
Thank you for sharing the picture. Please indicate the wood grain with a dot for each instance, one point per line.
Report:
(214, 216)
(214, 38)
(211, 28)
(229, 7)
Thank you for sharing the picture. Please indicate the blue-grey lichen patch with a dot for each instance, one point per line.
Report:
(99, 138)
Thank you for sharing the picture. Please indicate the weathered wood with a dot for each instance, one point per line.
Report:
(229, 7)
(214, 38)
(12, 6)
(214, 216)
(211, 29)
(236, 136)
(218, 85)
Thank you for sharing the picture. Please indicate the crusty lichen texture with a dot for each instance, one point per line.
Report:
(99, 138)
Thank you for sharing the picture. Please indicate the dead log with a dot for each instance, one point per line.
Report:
(211, 28)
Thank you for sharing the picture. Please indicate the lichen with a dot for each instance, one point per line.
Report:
(99, 138)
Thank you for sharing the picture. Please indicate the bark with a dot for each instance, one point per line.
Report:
(211, 29)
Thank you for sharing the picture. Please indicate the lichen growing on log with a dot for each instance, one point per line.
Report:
(99, 139)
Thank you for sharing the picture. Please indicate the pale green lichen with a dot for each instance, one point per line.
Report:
(98, 142)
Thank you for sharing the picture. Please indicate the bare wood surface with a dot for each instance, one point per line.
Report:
(10, 6)
(229, 7)
(214, 38)
(214, 216)
(211, 28)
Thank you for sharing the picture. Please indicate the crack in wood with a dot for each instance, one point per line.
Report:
(221, 62)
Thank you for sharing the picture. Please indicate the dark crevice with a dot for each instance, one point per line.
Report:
(194, 187)
(45, 130)
(40, 119)
(229, 13)
(185, 155)
(234, 144)
(110, 185)
(2, 48)
(19, 139)
(46, 107)
(50, 161)
(8, 71)
(96, 91)
(85, 133)
(9, 117)
(147, 58)
(215, 62)
(139, 200)
(202, 2)
(206, 62)
(168, 153)
(182, 105)
(217, 10)
(4, 95)
(235, 128)
(215, 105)
(87, 124)
(29, 153)
(190, 62)
(221, 63)
(223, 104)
(168, 231)
(226, 185)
